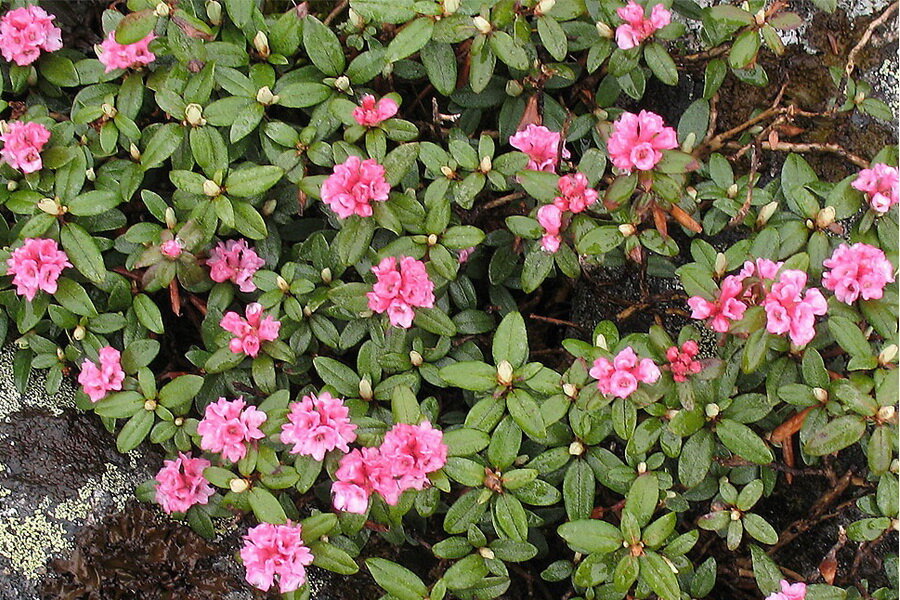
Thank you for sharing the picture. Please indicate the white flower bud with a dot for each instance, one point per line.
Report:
(825, 217)
(451, 6)
(89, 174)
(735, 515)
(415, 358)
(482, 25)
(721, 264)
(600, 342)
(642, 468)
(765, 213)
(238, 485)
(307, 311)
(504, 372)
(604, 30)
(732, 190)
(356, 19)
(171, 220)
(4, 126)
(135, 152)
(887, 355)
(432, 239)
(886, 413)
(544, 6)
(820, 394)
(486, 553)
(282, 284)
(514, 88)
(60, 355)
(627, 229)
(365, 388)
(193, 114)
(447, 172)
(760, 17)
(343, 84)
(12, 185)
(712, 410)
(150, 405)
(214, 12)
(162, 10)
(211, 188)
(810, 224)
(570, 390)
(269, 207)
(688, 144)
(179, 421)
(895, 466)
(326, 275)
(576, 448)
(265, 96)
(486, 164)
(109, 110)
(859, 97)
(79, 333)
(261, 43)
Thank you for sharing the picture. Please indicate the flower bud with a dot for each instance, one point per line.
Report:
(12, 185)
(604, 30)
(326, 275)
(712, 410)
(265, 96)
(171, 220)
(732, 190)
(432, 239)
(162, 10)
(895, 466)
(179, 421)
(721, 264)
(886, 413)
(365, 388)
(415, 358)
(514, 88)
(60, 355)
(307, 311)
(486, 553)
(486, 164)
(600, 342)
(261, 43)
(4, 126)
(211, 188)
(825, 217)
(269, 207)
(79, 333)
(451, 6)
(49, 206)
(627, 229)
(482, 25)
(672, 413)
(576, 448)
(765, 213)
(544, 6)
(109, 110)
(447, 172)
(895, 524)
(570, 390)
(356, 20)
(135, 152)
(760, 17)
(887, 355)
(820, 395)
(859, 97)
(642, 468)
(282, 284)
(193, 114)
(89, 174)
(343, 84)
(504, 372)
(150, 405)
(214, 12)
(735, 515)
(238, 485)
(688, 144)
(810, 224)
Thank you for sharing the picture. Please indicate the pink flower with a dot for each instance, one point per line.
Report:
(171, 248)
(762, 268)
(789, 591)
(22, 145)
(318, 424)
(24, 32)
(181, 484)
(412, 452)
(371, 113)
(637, 141)
(881, 184)
(791, 310)
(541, 145)
(575, 193)
(638, 28)
(36, 265)
(725, 309)
(234, 260)
(353, 186)
(97, 381)
(681, 362)
(271, 550)
(228, 426)
(465, 254)
(358, 475)
(857, 271)
(122, 56)
(398, 290)
(550, 218)
(620, 376)
(249, 333)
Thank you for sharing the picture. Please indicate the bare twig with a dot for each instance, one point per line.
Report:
(867, 34)
(809, 147)
(343, 4)
(502, 200)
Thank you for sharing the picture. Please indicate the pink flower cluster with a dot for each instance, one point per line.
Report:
(637, 141)
(682, 362)
(24, 32)
(790, 309)
(857, 271)
(370, 113)
(353, 186)
(541, 145)
(234, 261)
(22, 145)
(97, 381)
(122, 56)
(402, 462)
(171, 248)
(271, 550)
(181, 484)
(637, 27)
(620, 376)
(318, 424)
(789, 591)
(250, 333)
(400, 288)
(881, 185)
(228, 426)
(575, 194)
(36, 265)
(732, 300)
(550, 218)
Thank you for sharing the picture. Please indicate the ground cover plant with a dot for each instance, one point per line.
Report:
(321, 255)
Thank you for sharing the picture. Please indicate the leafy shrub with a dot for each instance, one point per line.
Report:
(301, 256)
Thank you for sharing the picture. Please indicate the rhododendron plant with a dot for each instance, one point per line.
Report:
(235, 261)
(792, 309)
(36, 266)
(638, 27)
(857, 271)
(272, 551)
(180, 483)
(353, 186)
(22, 145)
(637, 141)
(114, 55)
(229, 426)
(97, 380)
(318, 424)
(682, 361)
(550, 218)
(789, 591)
(725, 309)
(881, 184)
(251, 331)
(370, 113)
(575, 194)
(620, 376)
(25, 32)
(400, 287)
(542, 146)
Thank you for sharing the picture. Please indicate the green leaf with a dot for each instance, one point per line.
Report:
(744, 50)
(180, 390)
(759, 529)
(591, 535)
(162, 145)
(661, 63)
(439, 61)
(526, 413)
(657, 573)
(139, 353)
(410, 39)
(578, 490)
(135, 26)
(741, 440)
(795, 175)
(266, 507)
(399, 161)
(82, 250)
(352, 241)
(835, 435)
(509, 517)
(696, 458)
(849, 336)
(398, 581)
(93, 203)
(470, 375)
(120, 405)
(246, 121)
(765, 571)
(148, 313)
(642, 498)
(553, 37)
(323, 47)
(338, 375)
(239, 11)
(600, 240)
(330, 557)
(58, 70)
(507, 50)
(252, 181)
(302, 94)
(73, 297)
(538, 266)
(463, 441)
(540, 185)
(385, 11)
(434, 320)
(134, 431)
(248, 221)
(511, 341)
(466, 573)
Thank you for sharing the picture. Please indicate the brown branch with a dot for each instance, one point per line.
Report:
(553, 321)
(867, 34)
(809, 147)
(502, 200)
(337, 10)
